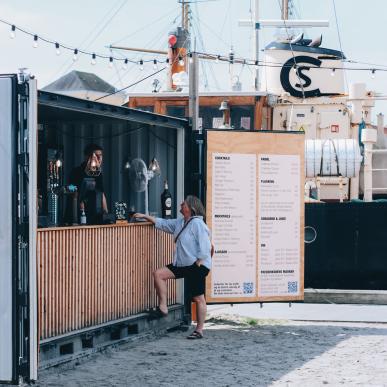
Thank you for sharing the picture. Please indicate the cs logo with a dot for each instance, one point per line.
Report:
(296, 91)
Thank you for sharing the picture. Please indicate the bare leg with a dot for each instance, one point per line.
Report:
(201, 310)
(160, 277)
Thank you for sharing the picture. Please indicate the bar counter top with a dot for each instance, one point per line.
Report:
(91, 226)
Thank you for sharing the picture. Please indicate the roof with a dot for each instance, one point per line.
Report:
(59, 106)
(79, 80)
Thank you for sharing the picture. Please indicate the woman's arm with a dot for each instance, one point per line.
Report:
(147, 217)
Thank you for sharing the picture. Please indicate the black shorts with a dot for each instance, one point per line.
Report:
(194, 275)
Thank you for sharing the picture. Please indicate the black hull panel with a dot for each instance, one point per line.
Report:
(350, 251)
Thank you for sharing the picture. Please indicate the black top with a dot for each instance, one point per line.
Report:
(78, 174)
(92, 199)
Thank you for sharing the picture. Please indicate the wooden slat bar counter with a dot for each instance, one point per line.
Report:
(90, 275)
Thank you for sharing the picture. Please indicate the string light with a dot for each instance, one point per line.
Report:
(190, 57)
(12, 34)
(141, 65)
(333, 72)
(256, 65)
(93, 61)
(75, 56)
(154, 64)
(231, 58)
(125, 64)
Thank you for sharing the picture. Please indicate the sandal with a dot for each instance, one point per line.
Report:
(195, 335)
(156, 313)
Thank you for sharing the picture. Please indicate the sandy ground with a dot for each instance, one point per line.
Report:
(240, 351)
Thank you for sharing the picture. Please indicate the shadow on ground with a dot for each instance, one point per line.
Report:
(242, 352)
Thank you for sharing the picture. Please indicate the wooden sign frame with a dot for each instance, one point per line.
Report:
(256, 143)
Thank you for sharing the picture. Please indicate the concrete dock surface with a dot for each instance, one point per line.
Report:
(245, 345)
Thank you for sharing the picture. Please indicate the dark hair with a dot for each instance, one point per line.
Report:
(91, 148)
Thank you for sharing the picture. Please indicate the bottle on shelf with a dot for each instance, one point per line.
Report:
(166, 202)
(83, 217)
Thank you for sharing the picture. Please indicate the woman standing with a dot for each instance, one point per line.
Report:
(191, 260)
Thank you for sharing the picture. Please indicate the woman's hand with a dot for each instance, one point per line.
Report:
(139, 215)
(143, 216)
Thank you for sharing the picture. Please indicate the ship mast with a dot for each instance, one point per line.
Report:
(285, 10)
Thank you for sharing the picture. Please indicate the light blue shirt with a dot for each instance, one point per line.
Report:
(193, 243)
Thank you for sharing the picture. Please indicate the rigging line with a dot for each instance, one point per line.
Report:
(133, 84)
(338, 34)
(86, 39)
(124, 2)
(225, 20)
(227, 44)
(196, 28)
(176, 59)
(294, 58)
(365, 63)
(139, 56)
(151, 24)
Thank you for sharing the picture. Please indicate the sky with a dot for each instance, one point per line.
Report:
(93, 25)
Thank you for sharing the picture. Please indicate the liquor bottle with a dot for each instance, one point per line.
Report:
(83, 217)
(166, 202)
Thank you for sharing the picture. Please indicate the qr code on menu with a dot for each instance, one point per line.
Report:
(292, 287)
(248, 287)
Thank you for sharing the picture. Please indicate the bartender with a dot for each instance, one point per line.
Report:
(88, 179)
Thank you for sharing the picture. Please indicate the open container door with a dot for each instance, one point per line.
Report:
(18, 301)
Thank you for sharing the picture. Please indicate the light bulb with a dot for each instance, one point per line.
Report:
(57, 47)
(12, 33)
(75, 56)
(373, 74)
(141, 65)
(295, 69)
(154, 64)
(167, 61)
(333, 72)
(125, 65)
(93, 61)
(35, 44)
(181, 61)
(190, 57)
(111, 62)
(217, 59)
(256, 65)
(58, 163)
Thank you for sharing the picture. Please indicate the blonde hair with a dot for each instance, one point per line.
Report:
(196, 206)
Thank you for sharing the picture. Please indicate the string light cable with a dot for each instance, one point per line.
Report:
(204, 55)
(58, 46)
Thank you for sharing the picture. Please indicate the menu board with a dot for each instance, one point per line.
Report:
(234, 224)
(279, 224)
(255, 211)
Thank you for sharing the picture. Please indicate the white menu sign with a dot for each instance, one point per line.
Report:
(279, 225)
(234, 225)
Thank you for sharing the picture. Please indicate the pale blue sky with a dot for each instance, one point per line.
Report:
(146, 23)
